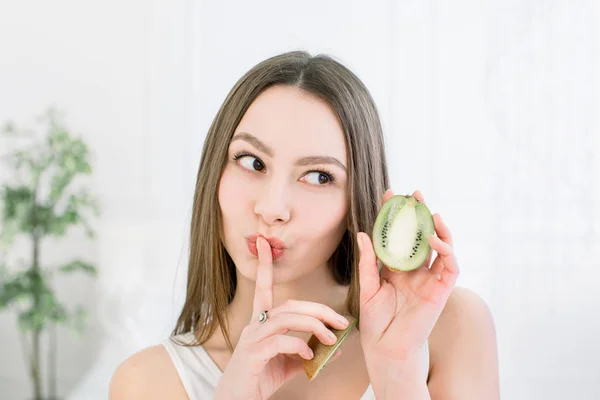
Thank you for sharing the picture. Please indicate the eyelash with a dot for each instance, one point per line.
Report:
(325, 172)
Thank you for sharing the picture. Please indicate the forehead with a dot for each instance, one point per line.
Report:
(294, 122)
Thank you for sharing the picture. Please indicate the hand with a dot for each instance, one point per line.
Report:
(398, 310)
(265, 357)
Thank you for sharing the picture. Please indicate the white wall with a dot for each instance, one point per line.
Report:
(490, 108)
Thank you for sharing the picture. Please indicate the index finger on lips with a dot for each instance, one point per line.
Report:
(263, 292)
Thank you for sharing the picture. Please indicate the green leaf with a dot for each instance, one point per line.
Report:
(17, 201)
(15, 289)
(70, 156)
(58, 314)
(9, 231)
(58, 184)
(27, 321)
(79, 266)
(74, 213)
(43, 311)
(17, 212)
(57, 225)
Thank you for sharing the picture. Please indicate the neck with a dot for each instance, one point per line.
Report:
(318, 286)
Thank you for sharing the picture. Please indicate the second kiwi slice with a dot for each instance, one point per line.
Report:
(323, 352)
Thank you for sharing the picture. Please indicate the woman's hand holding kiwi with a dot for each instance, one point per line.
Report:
(400, 306)
(265, 357)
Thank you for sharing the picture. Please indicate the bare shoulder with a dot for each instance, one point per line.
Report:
(464, 360)
(464, 306)
(147, 374)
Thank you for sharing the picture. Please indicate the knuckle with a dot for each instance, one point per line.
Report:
(290, 304)
(327, 310)
(278, 344)
(280, 315)
(312, 319)
(321, 328)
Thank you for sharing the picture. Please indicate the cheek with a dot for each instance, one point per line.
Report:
(324, 217)
(233, 194)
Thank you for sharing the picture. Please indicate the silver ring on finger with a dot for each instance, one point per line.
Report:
(263, 316)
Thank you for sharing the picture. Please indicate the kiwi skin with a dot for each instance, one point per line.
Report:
(322, 352)
(426, 219)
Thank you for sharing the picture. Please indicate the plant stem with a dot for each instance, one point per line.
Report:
(36, 275)
(37, 330)
(52, 365)
(31, 364)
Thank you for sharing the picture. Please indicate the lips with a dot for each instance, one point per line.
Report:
(277, 246)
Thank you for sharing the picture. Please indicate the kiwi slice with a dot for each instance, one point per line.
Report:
(322, 352)
(400, 233)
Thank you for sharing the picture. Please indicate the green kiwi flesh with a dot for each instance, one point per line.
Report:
(322, 352)
(400, 233)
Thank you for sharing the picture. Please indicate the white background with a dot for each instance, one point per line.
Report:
(489, 107)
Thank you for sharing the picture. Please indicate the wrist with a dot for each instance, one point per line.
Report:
(405, 391)
(391, 378)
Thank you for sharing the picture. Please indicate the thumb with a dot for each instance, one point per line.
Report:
(369, 278)
(296, 365)
(293, 367)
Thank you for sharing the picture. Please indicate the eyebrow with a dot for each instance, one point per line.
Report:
(310, 160)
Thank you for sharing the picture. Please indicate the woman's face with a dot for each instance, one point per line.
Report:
(285, 180)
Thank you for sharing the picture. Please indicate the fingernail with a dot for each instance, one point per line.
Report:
(332, 336)
(310, 353)
(343, 320)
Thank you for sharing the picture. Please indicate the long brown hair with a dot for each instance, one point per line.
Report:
(211, 281)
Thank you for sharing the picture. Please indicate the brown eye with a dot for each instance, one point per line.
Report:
(319, 178)
(323, 179)
(251, 163)
(258, 165)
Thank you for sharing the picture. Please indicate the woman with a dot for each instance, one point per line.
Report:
(292, 176)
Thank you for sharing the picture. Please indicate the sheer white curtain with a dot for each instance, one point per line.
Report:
(121, 72)
(542, 99)
(142, 240)
(490, 108)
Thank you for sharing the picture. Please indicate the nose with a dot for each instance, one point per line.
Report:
(272, 204)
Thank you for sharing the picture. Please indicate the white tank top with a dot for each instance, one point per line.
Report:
(200, 374)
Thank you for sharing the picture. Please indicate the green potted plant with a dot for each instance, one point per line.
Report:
(38, 201)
